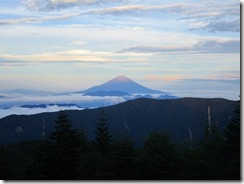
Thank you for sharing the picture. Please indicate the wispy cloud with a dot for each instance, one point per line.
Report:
(167, 78)
(229, 81)
(138, 9)
(217, 17)
(49, 5)
(208, 46)
(211, 11)
(170, 78)
(28, 111)
(32, 20)
(230, 26)
(71, 56)
(68, 55)
(115, 11)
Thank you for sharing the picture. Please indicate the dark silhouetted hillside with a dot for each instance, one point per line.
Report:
(135, 118)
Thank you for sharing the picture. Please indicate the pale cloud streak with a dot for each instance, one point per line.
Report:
(167, 78)
(230, 26)
(171, 78)
(207, 46)
(68, 55)
(138, 9)
(50, 5)
(215, 17)
(116, 11)
(32, 20)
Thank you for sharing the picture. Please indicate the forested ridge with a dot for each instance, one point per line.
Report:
(67, 154)
(135, 119)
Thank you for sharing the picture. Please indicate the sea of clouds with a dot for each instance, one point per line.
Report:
(12, 104)
(28, 111)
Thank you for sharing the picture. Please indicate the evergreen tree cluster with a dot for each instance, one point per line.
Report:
(68, 155)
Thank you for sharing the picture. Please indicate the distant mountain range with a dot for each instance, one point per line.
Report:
(133, 118)
(27, 92)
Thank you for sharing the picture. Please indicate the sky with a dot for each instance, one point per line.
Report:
(188, 47)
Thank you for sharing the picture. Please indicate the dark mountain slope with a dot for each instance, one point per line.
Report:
(107, 93)
(135, 118)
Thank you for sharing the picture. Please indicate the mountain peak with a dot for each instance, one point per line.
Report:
(121, 78)
(123, 84)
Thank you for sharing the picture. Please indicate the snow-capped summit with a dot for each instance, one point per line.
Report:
(121, 78)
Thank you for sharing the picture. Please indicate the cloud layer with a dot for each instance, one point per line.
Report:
(224, 26)
(212, 17)
(115, 11)
(208, 46)
(28, 111)
(78, 99)
(50, 5)
(32, 20)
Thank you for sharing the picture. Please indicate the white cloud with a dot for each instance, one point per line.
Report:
(207, 46)
(216, 16)
(17, 11)
(67, 55)
(32, 20)
(117, 11)
(79, 99)
(78, 43)
(49, 5)
(231, 26)
(139, 9)
(28, 111)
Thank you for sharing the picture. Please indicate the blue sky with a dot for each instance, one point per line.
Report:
(170, 45)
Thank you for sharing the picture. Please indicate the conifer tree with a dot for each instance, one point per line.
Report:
(159, 159)
(233, 129)
(65, 150)
(4, 163)
(101, 166)
(103, 137)
(233, 145)
(123, 155)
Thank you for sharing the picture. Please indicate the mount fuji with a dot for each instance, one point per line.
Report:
(115, 91)
(123, 84)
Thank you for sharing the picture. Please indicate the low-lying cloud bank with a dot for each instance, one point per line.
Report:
(12, 104)
(28, 111)
(78, 99)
